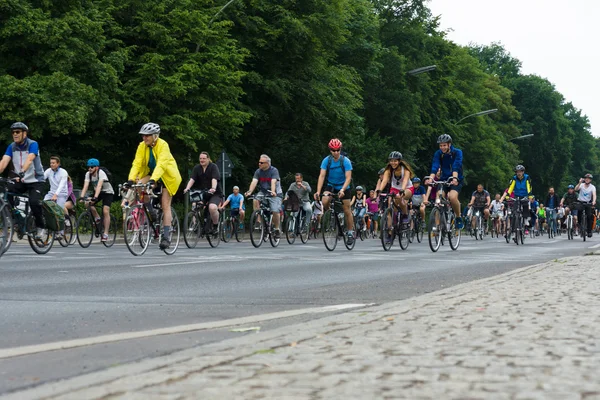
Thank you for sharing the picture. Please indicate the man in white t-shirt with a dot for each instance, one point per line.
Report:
(58, 178)
(587, 195)
(103, 191)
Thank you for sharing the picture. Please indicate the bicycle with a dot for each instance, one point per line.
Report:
(16, 217)
(517, 222)
(417, 225)
(315, 229)
(141, 225)
(197, 222)
(392, 225)
(359, 225)
(570, 226)
(550, 218)
(261, 223)
(231, 226)
(88, 228)
(333, 225)
(582, 217)
(478, 231)
(442, 220)
(294, 225)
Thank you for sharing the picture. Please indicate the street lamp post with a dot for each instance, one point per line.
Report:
(478, 114)
(521, 137)
(421, 70)
(213, 18)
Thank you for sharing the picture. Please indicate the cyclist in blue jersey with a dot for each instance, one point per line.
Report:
(27, 168)
(450, 160)
(520, 184)
(236, 202)
(334, 178)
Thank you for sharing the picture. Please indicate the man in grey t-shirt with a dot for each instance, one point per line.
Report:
(266, 177)
(302, 189)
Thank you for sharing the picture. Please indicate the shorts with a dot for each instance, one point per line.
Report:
(360, 212)
(106, 199)
(333, 191)
(497, 214)
(61, 200)
(235, 212)
(457, 188)
(274, 202)
(374, 216)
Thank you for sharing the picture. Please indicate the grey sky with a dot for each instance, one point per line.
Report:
(557, 40)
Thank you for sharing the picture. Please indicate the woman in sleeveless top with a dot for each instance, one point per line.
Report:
(399, 173)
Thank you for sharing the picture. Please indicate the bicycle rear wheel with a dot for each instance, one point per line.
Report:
(226, 230)
(387, 229)
(434, 229)
(215, 238)
(420, 230)
(454, 234)
(112, 232)
(404, 238)
(44, 243)
(175, 234)
(136, 230)
(68, 232)
(191, 229)
(85, 229)
(240, 230)
(329, 230)
(257, 229)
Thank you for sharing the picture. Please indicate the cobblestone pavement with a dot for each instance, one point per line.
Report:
(532, 333)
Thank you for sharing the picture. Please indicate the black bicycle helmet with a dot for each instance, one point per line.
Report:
(19, 125)
(395, 155)
(445, 138)
(381, 171)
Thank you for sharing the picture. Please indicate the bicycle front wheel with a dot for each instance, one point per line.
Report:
(387, 229)
(404, 238)
(42, 244)
(6, 229)
(175, 234)
(226, 230)
(304, 230)
(420, 230)
(191, 229)
(240, 230)
(290, 229)
(215, 238)
(329, 230)
(257, 229)
(454, 234)
(136, 230)
(85, 229)
(434, 229)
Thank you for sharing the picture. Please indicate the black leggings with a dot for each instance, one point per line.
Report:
(34, 191)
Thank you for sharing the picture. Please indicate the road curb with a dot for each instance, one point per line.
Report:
(162, 369)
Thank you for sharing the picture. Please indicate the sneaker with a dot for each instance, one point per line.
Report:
(40, 233)
(164, 243)
(104, 237)
(276, 234)
(459, 223)
(575, 234)
(350, 237)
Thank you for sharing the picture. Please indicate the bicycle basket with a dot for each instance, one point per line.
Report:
(54, 215)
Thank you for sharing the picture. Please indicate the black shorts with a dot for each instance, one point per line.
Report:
(347, 196)
(106, 199)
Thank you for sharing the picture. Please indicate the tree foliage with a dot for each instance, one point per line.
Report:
(280, 78)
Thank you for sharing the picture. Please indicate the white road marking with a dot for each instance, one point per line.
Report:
(71, 344)
(594, 246)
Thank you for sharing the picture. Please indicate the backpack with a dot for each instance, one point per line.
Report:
(54, 216)
(107, 172)
(330, 160)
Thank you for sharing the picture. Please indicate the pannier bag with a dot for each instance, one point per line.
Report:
(54, 216)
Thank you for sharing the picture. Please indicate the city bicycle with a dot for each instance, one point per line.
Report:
(197, 222)
(478, 230)
(582, 217)
(442, 220)
(517, 221)
(232, 227)
(262, 227)
(333, 225)
(551, 221)
(143, 221)
(570, 226)
(294, 226)
(88, 227)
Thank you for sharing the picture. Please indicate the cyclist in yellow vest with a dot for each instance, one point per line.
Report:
(155, 164)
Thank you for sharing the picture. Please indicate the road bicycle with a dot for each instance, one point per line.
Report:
(333, 225)
(262, 227)
(143, 222)
(394, 224)
(88, 227)
(517, 221)
(197, 222)
(17, 218)
(442, 220)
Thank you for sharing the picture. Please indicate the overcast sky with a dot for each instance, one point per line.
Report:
(557, 40)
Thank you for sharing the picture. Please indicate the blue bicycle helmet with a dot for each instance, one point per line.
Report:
(416, 180)
(93, 162)
(570, 187)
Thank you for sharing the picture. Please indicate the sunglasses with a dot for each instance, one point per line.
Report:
(262, 162)
(334, 151)
(91, 167)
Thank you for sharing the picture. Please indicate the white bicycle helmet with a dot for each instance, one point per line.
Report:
(150, 129)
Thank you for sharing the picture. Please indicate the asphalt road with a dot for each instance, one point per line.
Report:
(77, 293)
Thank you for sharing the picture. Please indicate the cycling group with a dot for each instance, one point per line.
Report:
(394, 209)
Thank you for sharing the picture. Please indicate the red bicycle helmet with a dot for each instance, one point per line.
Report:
(335, 144)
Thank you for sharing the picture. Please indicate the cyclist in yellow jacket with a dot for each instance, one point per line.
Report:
(155, 164)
